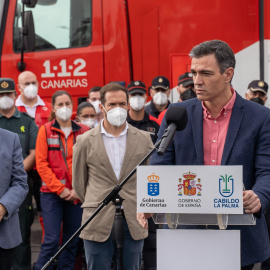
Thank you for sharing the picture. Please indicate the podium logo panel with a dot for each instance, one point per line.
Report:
(153, 185)
(189, 186)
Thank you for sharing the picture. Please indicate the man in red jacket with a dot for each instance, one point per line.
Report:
(29, 101)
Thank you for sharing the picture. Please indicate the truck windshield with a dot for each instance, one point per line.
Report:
(58, 25)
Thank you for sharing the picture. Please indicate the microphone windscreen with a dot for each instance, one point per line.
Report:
(178, 116)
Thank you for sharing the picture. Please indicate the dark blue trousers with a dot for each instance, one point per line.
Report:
(57, 212)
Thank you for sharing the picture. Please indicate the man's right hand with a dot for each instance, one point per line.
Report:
(142, 219)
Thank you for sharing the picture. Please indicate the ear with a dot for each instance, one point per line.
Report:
(152, 92)
(246, 96)
(229, 74)
(19, 87)
(101, 108)
(77, 119)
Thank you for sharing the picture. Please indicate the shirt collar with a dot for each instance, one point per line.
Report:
(39, 102)
(103, 131)
(225, 110)
(16, 114)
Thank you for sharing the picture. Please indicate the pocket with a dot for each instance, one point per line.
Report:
(90, 205)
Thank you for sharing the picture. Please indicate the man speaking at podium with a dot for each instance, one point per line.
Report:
(225, 129)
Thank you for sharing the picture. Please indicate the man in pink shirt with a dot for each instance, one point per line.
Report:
(225, 129)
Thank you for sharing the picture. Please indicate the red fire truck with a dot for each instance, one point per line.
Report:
(74, 45)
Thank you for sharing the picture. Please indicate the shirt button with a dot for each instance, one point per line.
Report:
(214, 140)
(213, 160)
(224, 113)
(215, 121)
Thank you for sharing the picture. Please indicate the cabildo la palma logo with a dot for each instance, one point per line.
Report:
(226, 188)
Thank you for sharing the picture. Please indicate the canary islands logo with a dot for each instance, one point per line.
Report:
(189, 186)
(153, 185)
(226, 185)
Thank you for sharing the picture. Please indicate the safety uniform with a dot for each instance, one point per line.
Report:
(54, 164)
(152, 110)
(148, 123)
(43, 110)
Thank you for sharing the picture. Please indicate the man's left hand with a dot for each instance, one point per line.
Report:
(3, 211)
(251, 202)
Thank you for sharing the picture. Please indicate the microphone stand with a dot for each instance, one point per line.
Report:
(112, 196)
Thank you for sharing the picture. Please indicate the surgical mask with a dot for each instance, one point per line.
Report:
(90, 122)
(30, 91)
(96, 106)
(63, 113)
(6, 103)
(117, 116)
(160, 98)
(257, 100)
(136, 102)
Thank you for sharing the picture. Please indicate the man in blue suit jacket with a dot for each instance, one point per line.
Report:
(13, 190)
(225, 129)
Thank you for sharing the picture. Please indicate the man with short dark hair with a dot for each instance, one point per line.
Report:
(94, 99)
(159, 92)
(257, 91)
(220, 132)
(21, 123)
(102, 158)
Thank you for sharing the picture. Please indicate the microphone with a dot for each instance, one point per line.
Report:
(176, 119)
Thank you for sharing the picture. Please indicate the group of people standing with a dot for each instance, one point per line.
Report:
(71, 165)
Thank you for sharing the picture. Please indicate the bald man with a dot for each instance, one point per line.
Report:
(29, 101)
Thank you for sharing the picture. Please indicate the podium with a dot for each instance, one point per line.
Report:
(202, 249)
(197, 203)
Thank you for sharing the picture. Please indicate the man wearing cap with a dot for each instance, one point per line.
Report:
(159, 92)
(257, 91)
(137, 116)
(185, 83)
(21, 123)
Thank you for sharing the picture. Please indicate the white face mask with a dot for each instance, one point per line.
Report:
(160, 98)
(30, 91)
(136, 102)
(117, 116)
(90, 122)
(6, 103)
(96, 106)
(63, 113)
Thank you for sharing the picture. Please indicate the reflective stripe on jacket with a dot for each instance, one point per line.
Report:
(54, 170)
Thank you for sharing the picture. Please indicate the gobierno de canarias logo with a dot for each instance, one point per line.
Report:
(153, 185)
(190, 186)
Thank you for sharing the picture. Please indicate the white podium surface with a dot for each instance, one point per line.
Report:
(198, 249)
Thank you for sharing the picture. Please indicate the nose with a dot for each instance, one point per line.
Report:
(197, 79)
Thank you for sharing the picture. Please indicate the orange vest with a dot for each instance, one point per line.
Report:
(56, 152)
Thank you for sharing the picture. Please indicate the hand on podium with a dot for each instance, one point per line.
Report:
(251, 202)
(142, 219)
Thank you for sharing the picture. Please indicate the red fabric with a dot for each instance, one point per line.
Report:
(50, 164)
(160, 117)
(215, 132)
(42, 113)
